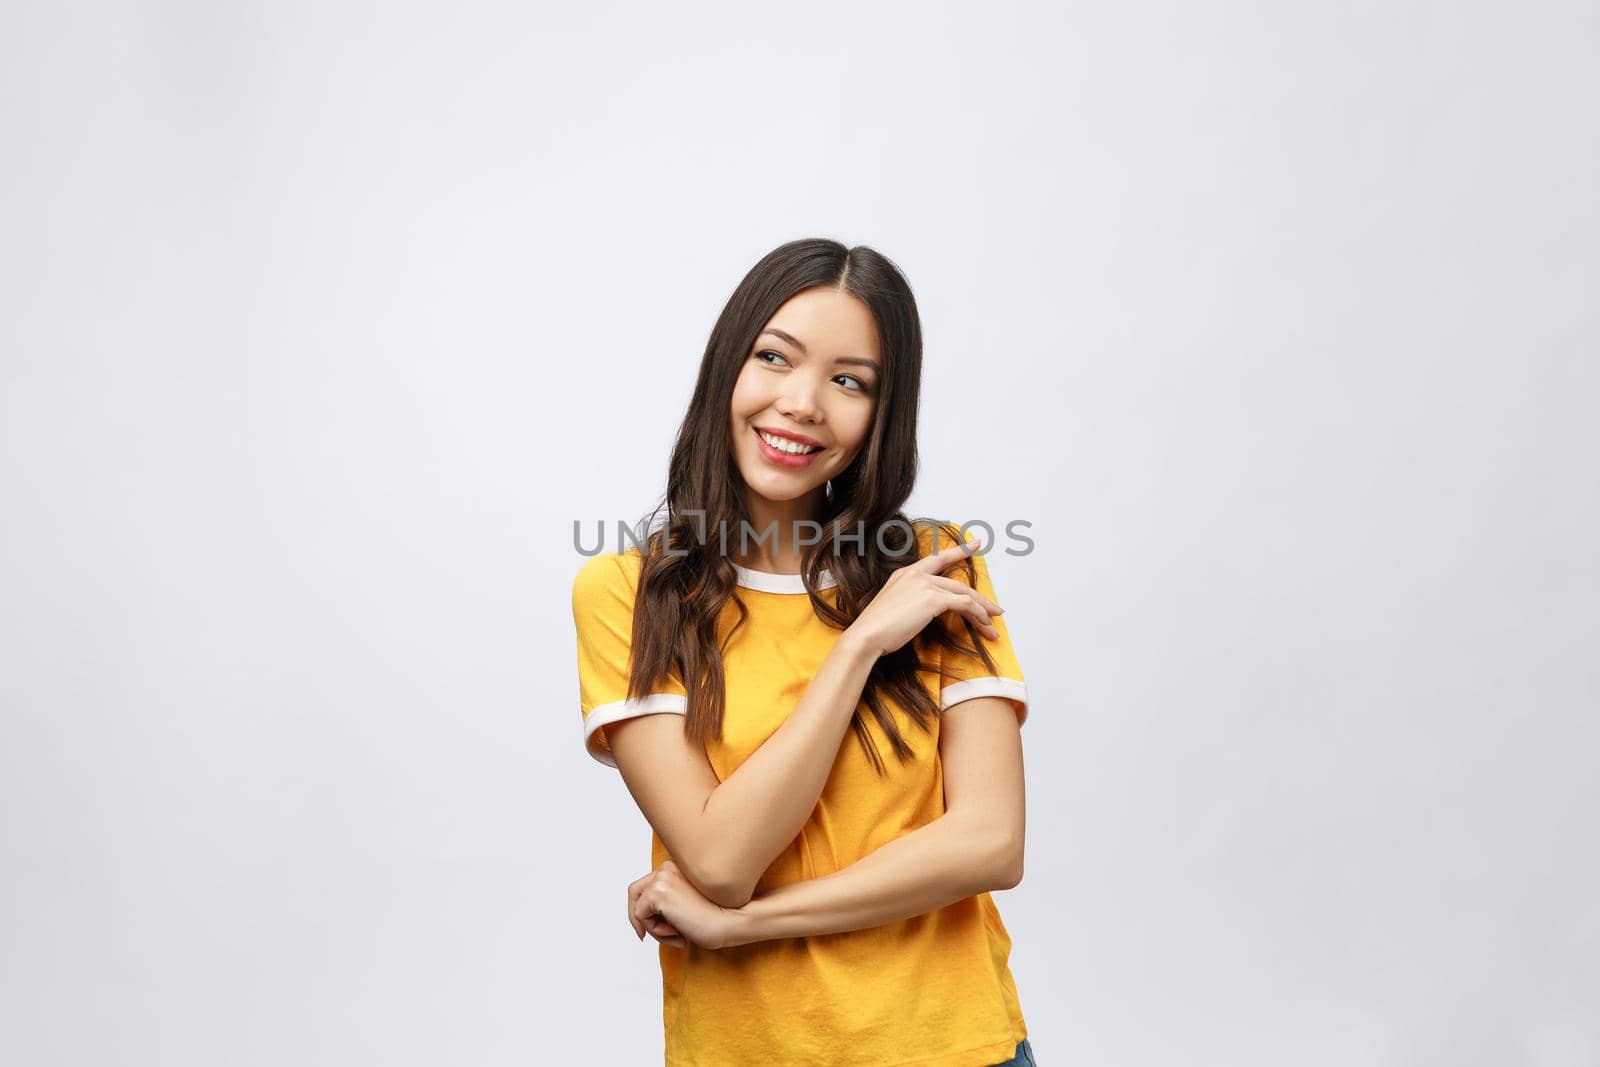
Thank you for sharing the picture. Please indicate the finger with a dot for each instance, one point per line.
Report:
(984, 627)
(952, 595)
(634, 889)
(938, 561)
(962, 587)
(664, 931)
(966, 605)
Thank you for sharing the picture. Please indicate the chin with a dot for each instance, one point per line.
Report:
(776, 487)
(782, 492)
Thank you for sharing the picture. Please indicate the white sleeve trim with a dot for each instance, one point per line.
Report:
(1010, 688)
(655, 703)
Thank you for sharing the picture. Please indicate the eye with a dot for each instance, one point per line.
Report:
(858, 385)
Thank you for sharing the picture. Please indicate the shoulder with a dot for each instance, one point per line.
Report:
(606, 580)
(934, 536)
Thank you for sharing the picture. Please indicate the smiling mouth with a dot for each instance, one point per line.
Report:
(788, 447)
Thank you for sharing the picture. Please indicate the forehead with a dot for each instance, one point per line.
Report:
(825, 320)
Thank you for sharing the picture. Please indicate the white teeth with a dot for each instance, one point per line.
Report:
(793, 448)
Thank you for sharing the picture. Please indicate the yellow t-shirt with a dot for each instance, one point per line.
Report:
(933, 990)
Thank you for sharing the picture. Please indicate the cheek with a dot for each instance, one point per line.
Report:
(860, 430)
(747, 399)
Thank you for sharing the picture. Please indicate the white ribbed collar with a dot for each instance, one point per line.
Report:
(770, 582)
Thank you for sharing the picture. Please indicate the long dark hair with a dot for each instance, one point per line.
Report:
(682, 592)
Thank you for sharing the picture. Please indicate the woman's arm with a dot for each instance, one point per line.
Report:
(724, 835)
(935, 865)
(977, 845)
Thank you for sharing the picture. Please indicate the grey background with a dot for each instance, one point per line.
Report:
(322, 322)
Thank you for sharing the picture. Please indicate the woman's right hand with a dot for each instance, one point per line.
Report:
(914, 596)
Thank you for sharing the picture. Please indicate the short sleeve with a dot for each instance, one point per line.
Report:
(602, 612)
(971, 677)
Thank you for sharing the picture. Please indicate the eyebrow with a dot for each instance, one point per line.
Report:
(796, 342)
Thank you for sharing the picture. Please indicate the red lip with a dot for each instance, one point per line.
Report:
(784, 459)
(798, 437)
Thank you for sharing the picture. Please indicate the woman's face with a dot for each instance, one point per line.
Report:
(812, 374)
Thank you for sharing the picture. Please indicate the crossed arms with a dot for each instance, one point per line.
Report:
(724, 835)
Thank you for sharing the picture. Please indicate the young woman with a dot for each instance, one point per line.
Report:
(813, 700)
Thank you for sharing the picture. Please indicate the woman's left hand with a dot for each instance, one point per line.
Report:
(666, 905)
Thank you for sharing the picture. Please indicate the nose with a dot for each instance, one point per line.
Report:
(798, 398)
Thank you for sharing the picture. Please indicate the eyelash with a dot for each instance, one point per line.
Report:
(769, 352)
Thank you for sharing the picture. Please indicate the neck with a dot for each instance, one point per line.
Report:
(778, 553)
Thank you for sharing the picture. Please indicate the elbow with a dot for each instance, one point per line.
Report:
(728, 893)
(736, 897)
(1007, 869)
(722, 885)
